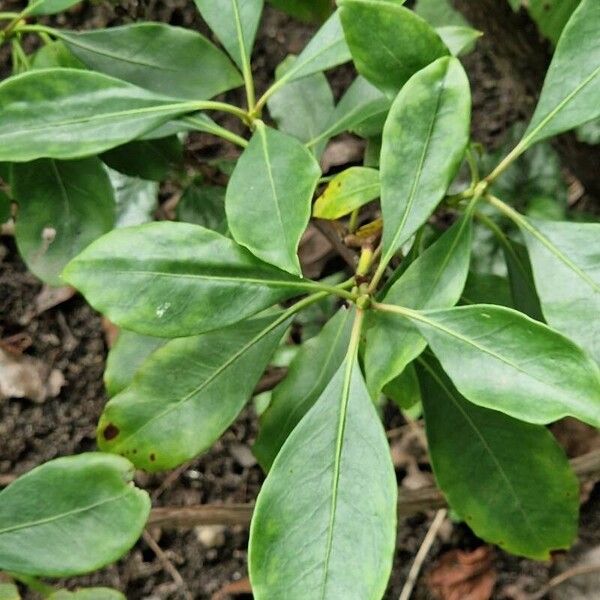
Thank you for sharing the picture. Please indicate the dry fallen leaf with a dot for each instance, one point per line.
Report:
(462, 575)
(23, 376)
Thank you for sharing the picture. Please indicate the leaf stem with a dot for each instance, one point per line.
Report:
(218, 131)
(506, 162)
(33, 584)
(246, 66)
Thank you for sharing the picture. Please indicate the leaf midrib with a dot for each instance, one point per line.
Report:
(419, 172)
(435, 325)
(218, 371)
(39, 522)
(487, 447)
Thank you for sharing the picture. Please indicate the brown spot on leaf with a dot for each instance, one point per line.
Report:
(153, 457)
(110, 432)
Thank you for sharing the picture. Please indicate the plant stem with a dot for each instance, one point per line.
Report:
(34, 584)
(508, 211)
(6, 16)
(218, 131)
(277, 85)
(8, 30)
(505, 163)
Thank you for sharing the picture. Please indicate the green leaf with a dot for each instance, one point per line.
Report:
(71, 516)
(327, 49)
(235, 23)
(566, 269)
(306, 10)
(55, 54)
(88, 594)
(570, 94)
(126, 357)
(551, 15)
(50, 7)
(147, 159)
(314, 499)
(347, 192)
(187, 393)
(404, 390)
(434, 280)
(9, 591)
(440, 13)
(168, 60)
(424, 141)
(589, 133)
(494, 471)
(459, 40)
(204, 205)
(317, 361)
(389, 43)
(269, 197)
(500, 359)
(63, 207)
(181, 280)
(70, 113)
(302, 108)
(524, 295)
(361, 103)
(137, 199)
(487, 288)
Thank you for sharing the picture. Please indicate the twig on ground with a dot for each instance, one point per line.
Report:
(565, 576)
(415, 569)
(328, 230)
(168, 566)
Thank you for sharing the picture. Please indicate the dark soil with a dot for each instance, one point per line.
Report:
(70, 338)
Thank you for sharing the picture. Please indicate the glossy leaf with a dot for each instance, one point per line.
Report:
(204, 205)
(347, 192)
(167, 60)
(459, 40)
(440, 13)
(70, 113)
(551, 15)
(570, 94)
(524, 294)
(404, 390)
(314, 499)
(566, 269)
(361, 103)
(500, 359)
(88, 594)
(494, 470)
(326, 50)
(317, 361)
(177, 276)
(147, 159)
(126, 357)
(70, 516)
(63, 207)
(269, 197)
(187, 393)
(486, 288)
(302, 108)
(235, 23)
(424, 141)
(389, 43)
(50, 7)
(55, 54)
(434, 280)
(137, 199)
